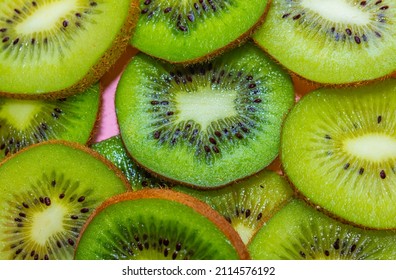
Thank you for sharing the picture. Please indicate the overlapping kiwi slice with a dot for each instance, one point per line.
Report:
(155, 224)
(47, 192)
(53, 48)
(248, 204)
(332, 41)
(204, 125)
(113, 149)
(299, 232)
(193, 30)
(25, 122)
(339, 149)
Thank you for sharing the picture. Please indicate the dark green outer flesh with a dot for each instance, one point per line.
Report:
(299, 232)
(113, 149)
(70, 119)
(215, 27)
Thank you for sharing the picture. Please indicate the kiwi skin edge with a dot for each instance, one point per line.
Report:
(236, 43)
(198, 206)
(103, 64)
(81, 147)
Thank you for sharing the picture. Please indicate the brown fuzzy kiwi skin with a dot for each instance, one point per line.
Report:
(315, 84)
(243, 38)
(104, 63)
(83, 148)
(197, 205)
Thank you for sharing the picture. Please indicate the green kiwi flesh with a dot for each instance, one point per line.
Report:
(332, 41)
(113, 149)
(187, 31)
(57, 48)
(26, 122)
(299, 232)
(339, 149)
(47, 192)
(248, 204)
(155, 224)
(205, 125)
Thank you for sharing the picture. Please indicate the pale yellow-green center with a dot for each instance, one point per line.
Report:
(244, 231)
(373, 147)
(205, 106)
(20, 112)
(339, 11)
(47, 223)
(45, 17)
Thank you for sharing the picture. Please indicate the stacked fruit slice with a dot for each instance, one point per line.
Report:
(205, 112)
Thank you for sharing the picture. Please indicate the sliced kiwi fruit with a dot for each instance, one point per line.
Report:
(25, 122)
(332, 41)
(191, 31)
(155, 224)
(300, 232)
(47, 192)
(57, 48)
(113, 149)
(339, 150)
(205, 125)
(248, 204)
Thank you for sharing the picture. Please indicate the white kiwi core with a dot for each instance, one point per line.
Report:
(373, 147)
(47, 223)
(339, 11)
(46, 17)
(204, 107)
(20, 112)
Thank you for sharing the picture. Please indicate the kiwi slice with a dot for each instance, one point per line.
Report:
(56, 48)
(299, 232)
(113, 149)
(191, 31)
(204, 125)
(339, 150)
(25, 122)
(155, 224)
(248, 204)
(332, 41)
(47, 192)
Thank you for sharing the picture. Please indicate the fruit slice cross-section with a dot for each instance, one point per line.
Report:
(155, 224)
(190, 31)
(58, 48)
(205, 125)
(300, 232)
(338, 148)
(332, 41)
(47, 192)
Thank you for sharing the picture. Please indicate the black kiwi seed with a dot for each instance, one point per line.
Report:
(382, 174)
(361, 170)
(379, 119)
(346, 166)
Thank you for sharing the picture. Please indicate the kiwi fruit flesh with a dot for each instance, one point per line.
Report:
(25, 122)
(47, 192)
(58, 48)
(205, 125)
(113, 149)
(248, 204)
(300, 232)
(332, 41)
(191, 31)
(141, 225)
(338, 149)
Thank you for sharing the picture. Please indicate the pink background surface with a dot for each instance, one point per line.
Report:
(108, 126)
